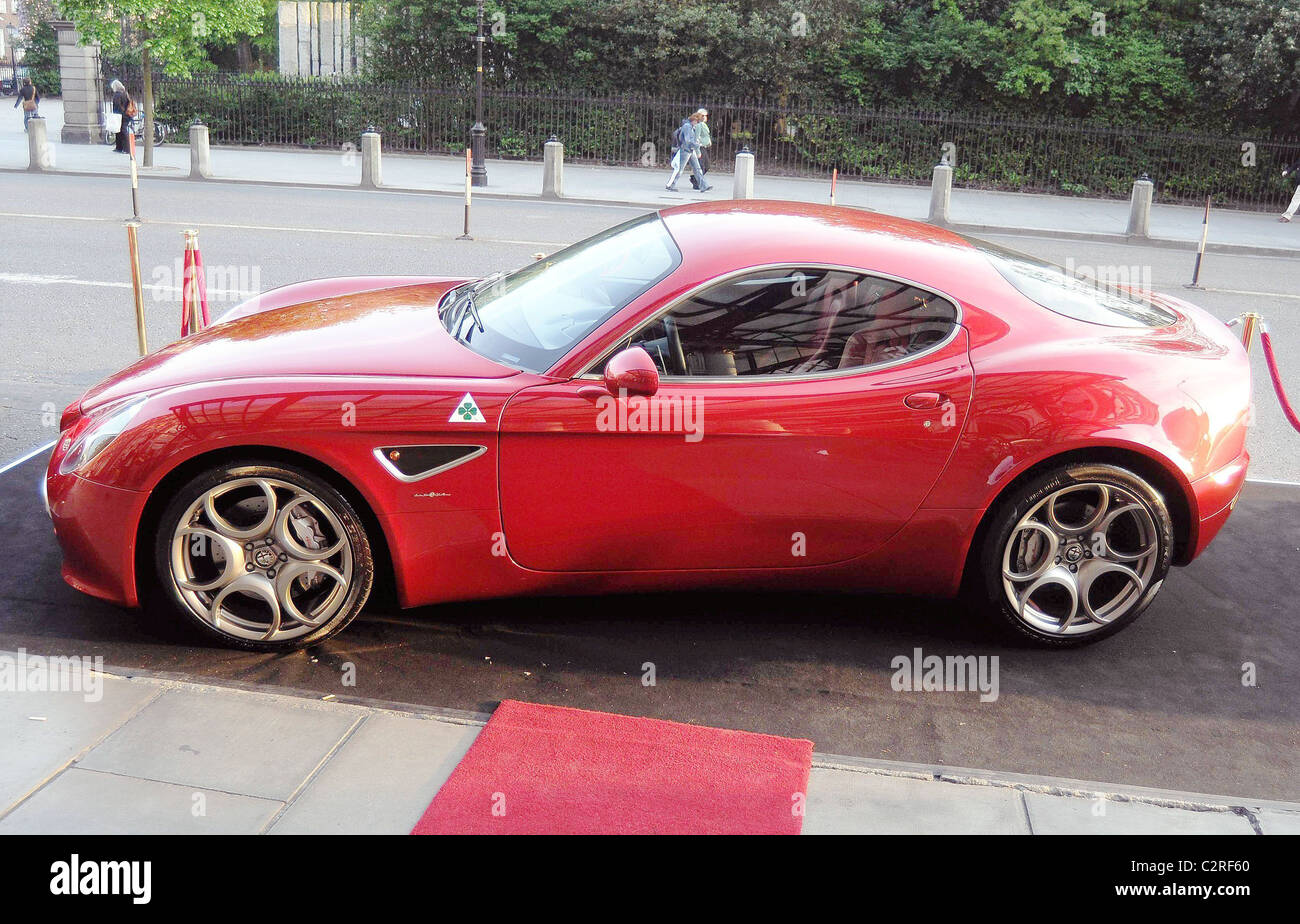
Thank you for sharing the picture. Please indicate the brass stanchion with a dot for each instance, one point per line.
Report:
(194, 289)
(835, 175)
(1249, 323)
(133, 246)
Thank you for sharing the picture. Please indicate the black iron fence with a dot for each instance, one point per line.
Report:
(787, 137)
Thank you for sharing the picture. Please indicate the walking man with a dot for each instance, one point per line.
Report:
(1295, 199)
(686, 150)
(705, 139)
(29, 99)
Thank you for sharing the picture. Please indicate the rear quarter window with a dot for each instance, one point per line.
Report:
(1078, 297)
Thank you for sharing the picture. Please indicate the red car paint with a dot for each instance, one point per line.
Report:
(880, 485)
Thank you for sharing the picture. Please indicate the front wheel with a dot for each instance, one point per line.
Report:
(1077, 554)
(267, 557)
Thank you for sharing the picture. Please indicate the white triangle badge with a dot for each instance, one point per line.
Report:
(467, 411)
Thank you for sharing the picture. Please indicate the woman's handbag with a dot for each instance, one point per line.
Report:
(114, 123)
(29, 105)
(130, 109)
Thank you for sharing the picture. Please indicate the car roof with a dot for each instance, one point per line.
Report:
(754, 232)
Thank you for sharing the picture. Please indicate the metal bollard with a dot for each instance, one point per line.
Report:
(200, 154)
(371, 160)
(743, 187)
(38, 146)
(940, 194)
(553, 169)
(1139, 209)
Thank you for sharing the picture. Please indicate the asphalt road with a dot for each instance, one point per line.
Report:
(1162, 704)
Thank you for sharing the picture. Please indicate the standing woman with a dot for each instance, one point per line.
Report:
(124, 106)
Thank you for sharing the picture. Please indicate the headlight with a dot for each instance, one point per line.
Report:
(96, 437)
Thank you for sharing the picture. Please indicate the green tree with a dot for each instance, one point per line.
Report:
(175, 34)
(1249, 56)
(41, 57)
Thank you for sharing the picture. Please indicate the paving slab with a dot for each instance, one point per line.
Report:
(1069, 815)
(381, 780)
(40, 733)
(243, 743)
(90, 802)
(849, 802)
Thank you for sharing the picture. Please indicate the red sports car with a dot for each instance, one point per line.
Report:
(736, 394)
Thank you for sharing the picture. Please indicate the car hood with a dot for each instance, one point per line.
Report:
(390, 331)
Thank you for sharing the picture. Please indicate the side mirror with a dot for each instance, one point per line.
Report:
(632, 371)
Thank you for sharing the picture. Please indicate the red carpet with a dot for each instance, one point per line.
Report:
(552, 770)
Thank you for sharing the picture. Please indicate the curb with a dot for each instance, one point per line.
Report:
(977, 229)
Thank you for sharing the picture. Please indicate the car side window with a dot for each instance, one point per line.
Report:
(800, 321)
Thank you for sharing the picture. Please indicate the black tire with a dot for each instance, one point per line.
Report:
(1025, 498)
(168, 594)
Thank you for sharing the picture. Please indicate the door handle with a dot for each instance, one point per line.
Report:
(925, 400)
(593, 392)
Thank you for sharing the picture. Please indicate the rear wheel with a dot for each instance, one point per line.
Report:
(1077, 554)
(267, 557)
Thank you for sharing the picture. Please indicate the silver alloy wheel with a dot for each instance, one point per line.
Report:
(261, 559)
(1081, 558)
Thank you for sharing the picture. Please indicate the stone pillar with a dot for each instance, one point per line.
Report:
(38, 148)
(286, 18)
(940, 194)
(743, 186)
(372, 175)
(553, 169)
(200, 154)
(1139, 207)
(82, 96)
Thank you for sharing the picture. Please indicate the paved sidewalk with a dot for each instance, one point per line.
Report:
(155, 755)
(979, 210)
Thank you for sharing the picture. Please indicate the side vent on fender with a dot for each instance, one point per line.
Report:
(415, 463)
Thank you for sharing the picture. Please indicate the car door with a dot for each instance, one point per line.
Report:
(803, 414)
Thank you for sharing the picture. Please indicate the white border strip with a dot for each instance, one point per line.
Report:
(21, 459)
(1294, 484)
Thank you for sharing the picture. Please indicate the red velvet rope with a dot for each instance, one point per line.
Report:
(1267, 342)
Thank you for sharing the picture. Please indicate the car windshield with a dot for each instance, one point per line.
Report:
(532, 317)
(1082, 297)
